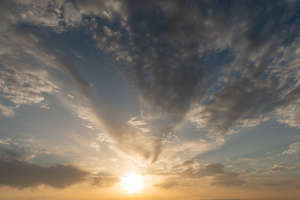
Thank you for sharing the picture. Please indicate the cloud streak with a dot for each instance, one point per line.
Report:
(126, 137)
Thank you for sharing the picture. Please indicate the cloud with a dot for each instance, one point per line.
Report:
(173, 67)
(168, 184)
(21, 82)
(176, 151)
(7, 111)
(57, 15)
(105, 9)
(221, 177)
(104, 180)
(13, 149)
(211, 169)
(277, 167)
(21, 174)
(25, 84)
(126, 137)
(293, 149)
(191, 170)
(281, 183)
(228, 179)
(24, 164)
(220, 69)
(24, 87)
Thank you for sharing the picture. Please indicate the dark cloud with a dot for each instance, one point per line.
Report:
(228, 179)
(20, 174)
(281, 183)
(186, 163)
(209, 170)
(277, 183)
(12, 150)
(17, 171)
(221, 176)
(104, 180)
(190, 170)
(6, 153)
(6, 13)
(168, 184)
(171, 48)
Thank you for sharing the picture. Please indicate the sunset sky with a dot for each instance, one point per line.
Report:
(149, 100)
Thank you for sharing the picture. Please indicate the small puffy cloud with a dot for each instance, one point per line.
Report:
(24, 87)
(277, 167)
(139, 124)
(20, 174)
(293, 149)
(22, 82)
(289, 115)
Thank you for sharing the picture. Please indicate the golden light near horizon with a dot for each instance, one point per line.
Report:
(132, 182)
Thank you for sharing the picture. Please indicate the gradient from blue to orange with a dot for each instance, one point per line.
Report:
(200, 99)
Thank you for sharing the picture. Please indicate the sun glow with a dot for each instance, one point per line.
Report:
(132, 182)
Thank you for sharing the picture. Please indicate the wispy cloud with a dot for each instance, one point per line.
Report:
(221, 70)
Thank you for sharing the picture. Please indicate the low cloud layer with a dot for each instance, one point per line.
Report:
(20, 174)
(191, 170)
(221, 176)
(104, 180)
(20, 167)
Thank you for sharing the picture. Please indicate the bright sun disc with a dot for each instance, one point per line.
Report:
(132, 182)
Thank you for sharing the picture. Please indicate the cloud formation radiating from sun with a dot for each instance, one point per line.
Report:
(198, 71)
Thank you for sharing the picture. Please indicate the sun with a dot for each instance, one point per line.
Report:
(132, 182)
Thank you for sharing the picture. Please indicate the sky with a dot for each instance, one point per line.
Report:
(198, 99)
